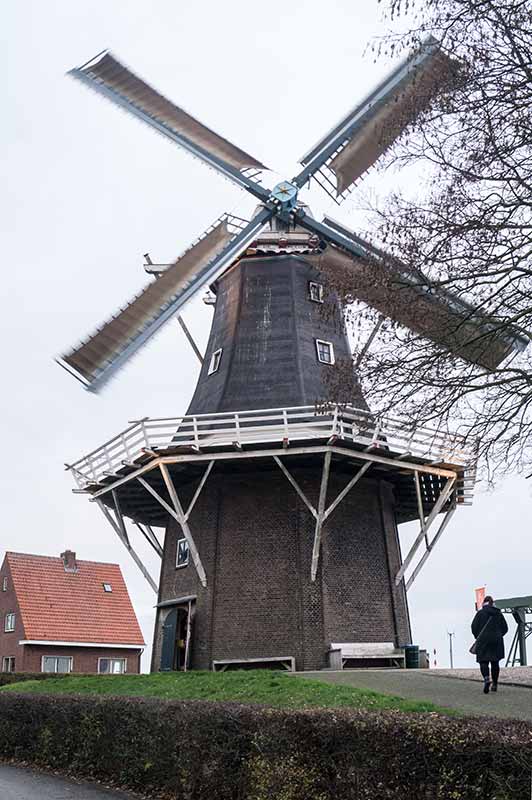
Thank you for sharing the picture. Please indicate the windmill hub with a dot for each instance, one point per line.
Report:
(284, 196)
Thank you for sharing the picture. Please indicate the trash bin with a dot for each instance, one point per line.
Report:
(411, 656)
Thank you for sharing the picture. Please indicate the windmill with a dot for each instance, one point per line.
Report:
(281, 541)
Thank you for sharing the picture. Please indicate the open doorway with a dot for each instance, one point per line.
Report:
(177, 639)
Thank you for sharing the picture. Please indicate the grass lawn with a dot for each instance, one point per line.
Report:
(243, 686)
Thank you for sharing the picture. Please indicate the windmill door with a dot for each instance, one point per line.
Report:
(177, 639)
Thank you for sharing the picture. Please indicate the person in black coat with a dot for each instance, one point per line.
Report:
(489, 628)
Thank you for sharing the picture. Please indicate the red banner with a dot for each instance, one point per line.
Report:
(480, 594)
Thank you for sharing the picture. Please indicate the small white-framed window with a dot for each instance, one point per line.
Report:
(4, 583)
(315, 292)
(9, 622)
(57, 664)
(112, 666)
(8, 664)
(107, 587)
(182, 553)
(215, 361)
(325, 351)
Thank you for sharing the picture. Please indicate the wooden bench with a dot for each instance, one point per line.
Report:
(286, 662)
(340, 653)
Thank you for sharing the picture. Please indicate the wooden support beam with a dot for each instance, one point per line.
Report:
(198, 490)
(190, 338)
(438, 505)
(125, 541)
(150, 537)
(420, 509)
(120, 518)
(296, 487)
(363, 469)
(178, 514)
(320, 517)
(428, 551)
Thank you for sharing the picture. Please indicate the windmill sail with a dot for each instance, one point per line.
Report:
(404, 296)
(109, 77)
(96, 359)
(364, 135)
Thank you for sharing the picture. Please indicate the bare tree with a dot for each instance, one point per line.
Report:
(467, 229)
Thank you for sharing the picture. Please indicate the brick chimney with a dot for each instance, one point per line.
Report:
(69, 561)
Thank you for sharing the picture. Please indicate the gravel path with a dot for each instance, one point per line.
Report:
(22, 783)
(466, 696)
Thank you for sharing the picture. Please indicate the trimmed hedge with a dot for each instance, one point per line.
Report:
(197, 750)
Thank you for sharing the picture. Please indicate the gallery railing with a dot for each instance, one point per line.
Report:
(284, 426)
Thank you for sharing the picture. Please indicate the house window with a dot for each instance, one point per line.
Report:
(4, 584)
(315, 292)
(8, 664)
(9, 623)
(325, 351)
(215, 361)
(56, 664)
(107, 587)
(111, 666)
(182, 553)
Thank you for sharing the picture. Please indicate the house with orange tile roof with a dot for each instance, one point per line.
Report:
(65, 615)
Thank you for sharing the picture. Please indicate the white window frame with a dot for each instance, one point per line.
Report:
(56, 671)
(108, 658)
(107, 590)
(315, 285)
(216, 358)
(330, 345)
(4, 583)
(185, 563)
(9, 622)
(11, 667)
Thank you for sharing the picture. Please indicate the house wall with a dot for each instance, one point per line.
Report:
(85, 659)
(9, 642)
(255, 539)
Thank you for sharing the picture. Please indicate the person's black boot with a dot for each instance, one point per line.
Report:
(494, 687)
(486, 685)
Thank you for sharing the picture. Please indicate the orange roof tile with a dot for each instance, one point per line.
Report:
(72, 606)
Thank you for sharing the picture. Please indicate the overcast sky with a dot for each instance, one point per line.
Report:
(88, 190)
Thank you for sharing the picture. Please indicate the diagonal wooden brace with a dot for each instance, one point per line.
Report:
(150, 537)
(321, 512)
(321, 516)
(363, 469)
(296, 486)
(430, 547)
(438, 505)
(420, 509)
(119, 529)
(178, 514)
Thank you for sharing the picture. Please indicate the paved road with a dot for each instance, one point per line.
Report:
(510, 701)
(20, 783)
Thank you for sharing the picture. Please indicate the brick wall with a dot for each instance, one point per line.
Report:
(9, 641)
(85, 659)
(255, 539)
